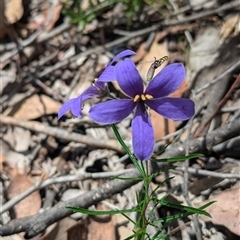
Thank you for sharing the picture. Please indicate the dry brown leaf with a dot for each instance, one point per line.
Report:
(7, 167)
(12, 237)
(101, 230)
(93, 227)
(13, 11)
(43, 18)
(37, 106)
(124, 227)
(16, 163)
(22, 139)
(225, 211)
(56, 15)
(29, 205)
(230, 26)
(101, 227)
(79, 231)
(50, 232)
(59, 231)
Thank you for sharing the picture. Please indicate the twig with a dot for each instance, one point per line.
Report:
(229, 109)
(222, 102)
(40, 84)
(229, 145)
(63, 179)
(43, 36)
(209, 173)
(179, 17)
(203, 14)
(73, 82)
(231, 69)
(219, 135)
(61, 133)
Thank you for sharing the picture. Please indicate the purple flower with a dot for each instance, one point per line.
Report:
(98, 89)
(129, 80)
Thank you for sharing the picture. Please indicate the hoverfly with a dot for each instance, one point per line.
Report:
(156, 64)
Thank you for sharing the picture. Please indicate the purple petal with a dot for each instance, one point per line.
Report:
(142, 134)
(108, 75)
(90, 92)
(74, 105)
(173, 108)
(111, 111)
(167, 81)
(128, 78)
(123, 54)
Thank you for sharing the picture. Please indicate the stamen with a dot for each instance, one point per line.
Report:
(148, 96)
(136, 98)
(143, 97)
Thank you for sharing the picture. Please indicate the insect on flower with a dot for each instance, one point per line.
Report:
(156, 64)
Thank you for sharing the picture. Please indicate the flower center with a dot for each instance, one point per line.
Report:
(142, 97)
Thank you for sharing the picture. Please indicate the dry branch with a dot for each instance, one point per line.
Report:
(61, 133)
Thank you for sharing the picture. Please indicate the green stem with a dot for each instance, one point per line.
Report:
(146, 184)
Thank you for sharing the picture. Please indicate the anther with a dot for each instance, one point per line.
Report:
(148, 96)
(143, 97)
(136, 98)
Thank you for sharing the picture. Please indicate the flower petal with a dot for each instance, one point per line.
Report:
(167, 81)
(128, 78)
(74, 105)
(111, 111)
(108, 74)
(142, 134)
(123, 54)
(92, 91)
(173, 108)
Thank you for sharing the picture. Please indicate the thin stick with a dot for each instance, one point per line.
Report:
(63, 179)
(61, 133)
(219, 106)
(210, 173)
